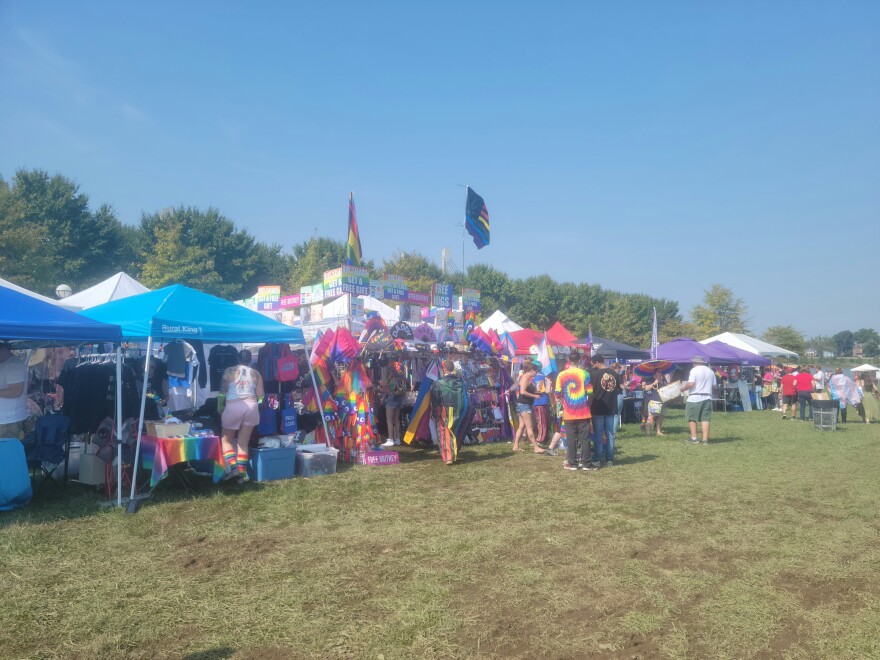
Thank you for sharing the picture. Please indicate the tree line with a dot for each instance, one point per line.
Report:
(51, 235)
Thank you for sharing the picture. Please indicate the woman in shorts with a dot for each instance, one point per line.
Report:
(526, 396)
(243, 389)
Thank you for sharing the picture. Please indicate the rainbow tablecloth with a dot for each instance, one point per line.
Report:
(159, 454)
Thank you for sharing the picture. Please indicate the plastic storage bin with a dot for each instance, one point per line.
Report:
(316, 463)
(272, 464)
(15, 482)
(825, 414)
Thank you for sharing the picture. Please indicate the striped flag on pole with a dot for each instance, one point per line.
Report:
(353, 253)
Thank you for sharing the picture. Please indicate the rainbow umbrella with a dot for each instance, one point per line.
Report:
(649, 368)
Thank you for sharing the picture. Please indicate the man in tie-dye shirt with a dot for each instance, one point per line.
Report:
(573, 390)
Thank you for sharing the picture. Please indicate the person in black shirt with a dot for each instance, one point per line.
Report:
(603, 408)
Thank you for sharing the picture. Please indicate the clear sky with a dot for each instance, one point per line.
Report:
(655, 147)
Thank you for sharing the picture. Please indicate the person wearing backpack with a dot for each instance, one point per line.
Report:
(394, 387)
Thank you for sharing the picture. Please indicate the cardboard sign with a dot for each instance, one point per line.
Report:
(381, 458)
(670, 392)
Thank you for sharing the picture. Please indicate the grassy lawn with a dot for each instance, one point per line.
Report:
(765, 544)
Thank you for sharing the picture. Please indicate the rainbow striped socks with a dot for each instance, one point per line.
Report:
(231, 461)
(242, 466)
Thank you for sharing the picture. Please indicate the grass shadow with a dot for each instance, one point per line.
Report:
(632, 460)
(211, 654)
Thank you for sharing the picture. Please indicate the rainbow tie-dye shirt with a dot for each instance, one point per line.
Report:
(575, 388)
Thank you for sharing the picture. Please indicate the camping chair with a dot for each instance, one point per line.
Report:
(48, 443)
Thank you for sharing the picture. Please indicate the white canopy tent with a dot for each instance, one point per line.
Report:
(114, 288)
(865, 367)
(500, 323)
(751, 344)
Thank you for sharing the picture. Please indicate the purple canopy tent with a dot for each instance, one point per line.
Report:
(737, 355)
(682, 350)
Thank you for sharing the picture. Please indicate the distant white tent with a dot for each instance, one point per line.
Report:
(751, 344)
(865, 367)
(500, 323)
(21, 289)
(114, 288)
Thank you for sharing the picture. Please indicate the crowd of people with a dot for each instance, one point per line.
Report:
(791, 391)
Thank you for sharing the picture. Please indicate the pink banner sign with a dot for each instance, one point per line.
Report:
(418, 298)
(290, 301)
(381, 458)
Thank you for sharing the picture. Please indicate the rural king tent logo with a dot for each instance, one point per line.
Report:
(190, 330)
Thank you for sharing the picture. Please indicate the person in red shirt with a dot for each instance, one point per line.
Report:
(789, 393)
(804, 391)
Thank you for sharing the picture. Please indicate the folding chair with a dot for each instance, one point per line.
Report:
(48, 444)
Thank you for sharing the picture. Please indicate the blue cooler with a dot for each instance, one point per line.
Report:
(272, 464)
(15, 482)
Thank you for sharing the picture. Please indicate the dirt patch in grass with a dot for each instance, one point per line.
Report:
(841, 593)
(213, 556)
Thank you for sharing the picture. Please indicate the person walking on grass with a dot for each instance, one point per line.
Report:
(805, 384)
(788, 384)
(448, 408)
(698, 408)
(603, 409)
(574, 389)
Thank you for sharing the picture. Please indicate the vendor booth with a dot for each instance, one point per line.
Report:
(27, 322)
(180, 313)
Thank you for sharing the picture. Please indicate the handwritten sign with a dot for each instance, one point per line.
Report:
(381, 458)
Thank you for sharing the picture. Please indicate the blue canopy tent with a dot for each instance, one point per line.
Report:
(179, 312)
(27, 322)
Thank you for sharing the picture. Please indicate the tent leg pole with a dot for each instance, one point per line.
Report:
(137, 449)
(119, 425)
(320, 403)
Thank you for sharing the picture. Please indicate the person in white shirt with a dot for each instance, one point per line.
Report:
(698, 408)
(13, 395)
(819, 379)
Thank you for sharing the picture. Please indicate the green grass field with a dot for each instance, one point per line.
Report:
(764, 544)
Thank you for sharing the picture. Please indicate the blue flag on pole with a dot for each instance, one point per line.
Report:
(476, 219)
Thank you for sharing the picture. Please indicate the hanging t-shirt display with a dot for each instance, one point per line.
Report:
(220, 358)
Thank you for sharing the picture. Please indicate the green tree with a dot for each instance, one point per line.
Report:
(79, 247)
(787, 337)
(865, 335)
(495, 287)
(674, 328)
(25, 253)
(535, 302)
(822, 343)
(418, 271)
(843, 341)
(871, 348)
(721, 311)
(239, 260)
(311, 258)
(174, 262)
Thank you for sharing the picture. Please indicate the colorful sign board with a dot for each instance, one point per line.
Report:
(470, 299)
(289, 302)
(441, 295)
(395, 288)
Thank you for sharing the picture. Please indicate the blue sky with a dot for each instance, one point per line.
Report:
(644, 146)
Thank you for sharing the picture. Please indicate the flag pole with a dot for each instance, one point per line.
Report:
(464, 226)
